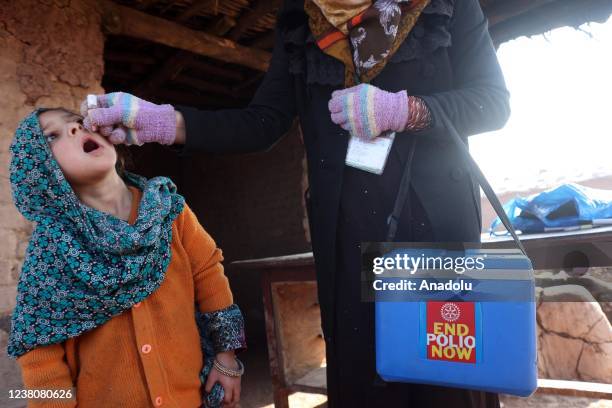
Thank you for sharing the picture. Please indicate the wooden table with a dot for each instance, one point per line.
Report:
(562, 250)
(296, 349)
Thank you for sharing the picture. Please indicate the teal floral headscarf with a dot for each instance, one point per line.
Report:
(82, 266)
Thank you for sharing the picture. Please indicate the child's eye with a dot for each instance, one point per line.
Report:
(50, 137)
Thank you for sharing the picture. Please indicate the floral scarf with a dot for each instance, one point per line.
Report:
(82, 266)
(362, 34)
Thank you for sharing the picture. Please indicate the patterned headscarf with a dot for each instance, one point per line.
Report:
(82, 266)
(364, 35)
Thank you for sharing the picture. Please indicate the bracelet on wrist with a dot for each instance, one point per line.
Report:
(228, 371)
(419, 115)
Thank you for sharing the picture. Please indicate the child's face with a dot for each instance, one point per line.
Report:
(83, 156)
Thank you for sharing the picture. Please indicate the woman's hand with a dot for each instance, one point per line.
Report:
(367, 111)
(124, 118)
(231, 385)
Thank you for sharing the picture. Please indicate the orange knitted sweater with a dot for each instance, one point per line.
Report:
(150, 355)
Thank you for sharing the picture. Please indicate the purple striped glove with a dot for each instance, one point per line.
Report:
(367, 111)
(124, 118)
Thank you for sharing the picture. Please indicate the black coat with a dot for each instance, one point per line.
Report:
(448, 57)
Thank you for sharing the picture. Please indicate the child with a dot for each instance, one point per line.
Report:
(115, 271)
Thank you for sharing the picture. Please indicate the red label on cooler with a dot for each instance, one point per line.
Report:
(451, 332)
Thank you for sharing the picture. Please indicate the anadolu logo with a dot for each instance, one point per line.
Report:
(451, 334)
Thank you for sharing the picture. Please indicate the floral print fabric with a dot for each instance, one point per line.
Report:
(82, 266)
(374, 35)
(221, 330)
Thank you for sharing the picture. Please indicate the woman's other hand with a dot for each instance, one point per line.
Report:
(125, 118)
(367, 111)
(231, 385)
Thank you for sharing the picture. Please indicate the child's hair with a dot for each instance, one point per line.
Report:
(124, 158)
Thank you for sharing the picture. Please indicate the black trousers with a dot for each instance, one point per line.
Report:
(351, 368)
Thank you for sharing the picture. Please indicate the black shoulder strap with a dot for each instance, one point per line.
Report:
(402, 194)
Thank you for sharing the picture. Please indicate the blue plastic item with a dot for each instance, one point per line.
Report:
(568, 205)
(447, 341)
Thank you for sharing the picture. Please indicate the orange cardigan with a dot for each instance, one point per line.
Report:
(149, 355)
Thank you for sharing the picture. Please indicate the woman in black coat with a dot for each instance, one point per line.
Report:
(445, 62)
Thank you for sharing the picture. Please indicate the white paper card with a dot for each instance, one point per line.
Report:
(370, 155)
(92, 101)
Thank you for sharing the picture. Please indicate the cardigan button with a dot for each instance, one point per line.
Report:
(146, 349)
(137, 304)
(158, 401)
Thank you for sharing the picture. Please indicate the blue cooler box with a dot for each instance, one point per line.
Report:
(459, 340)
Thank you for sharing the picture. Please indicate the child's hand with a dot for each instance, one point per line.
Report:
(231, 385)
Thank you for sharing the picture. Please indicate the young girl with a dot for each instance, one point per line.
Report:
(116, 269)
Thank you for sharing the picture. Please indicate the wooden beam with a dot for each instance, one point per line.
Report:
(173, 66)
(265, 41)
(122, 20)
(129, 57)
(144, 4)
(221, 25)
(212, 70)
(250, 18)
(170, 69)
(196, 7)
(197, 100)
(208, 87)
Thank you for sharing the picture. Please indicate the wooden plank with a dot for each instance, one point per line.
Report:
(575, 388)
(264, 41)
(166, 95)
(220, 25)
(144, 4)
(590, 234)
(170, 69)
(281, 392)
(215, 71)
(207, 86)
(196, 7)
(298, 327)
(130, 58)
(250, 18)
(122, 20)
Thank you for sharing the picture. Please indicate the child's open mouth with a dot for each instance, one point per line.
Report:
(90, 145)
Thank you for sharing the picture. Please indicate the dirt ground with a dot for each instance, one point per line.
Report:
(257, 393)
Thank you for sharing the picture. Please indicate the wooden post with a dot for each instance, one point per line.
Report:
(281, 393)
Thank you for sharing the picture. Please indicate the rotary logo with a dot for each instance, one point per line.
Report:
(451, 331)
(450, 312)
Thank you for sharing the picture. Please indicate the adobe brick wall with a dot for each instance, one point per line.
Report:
(51, 56)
